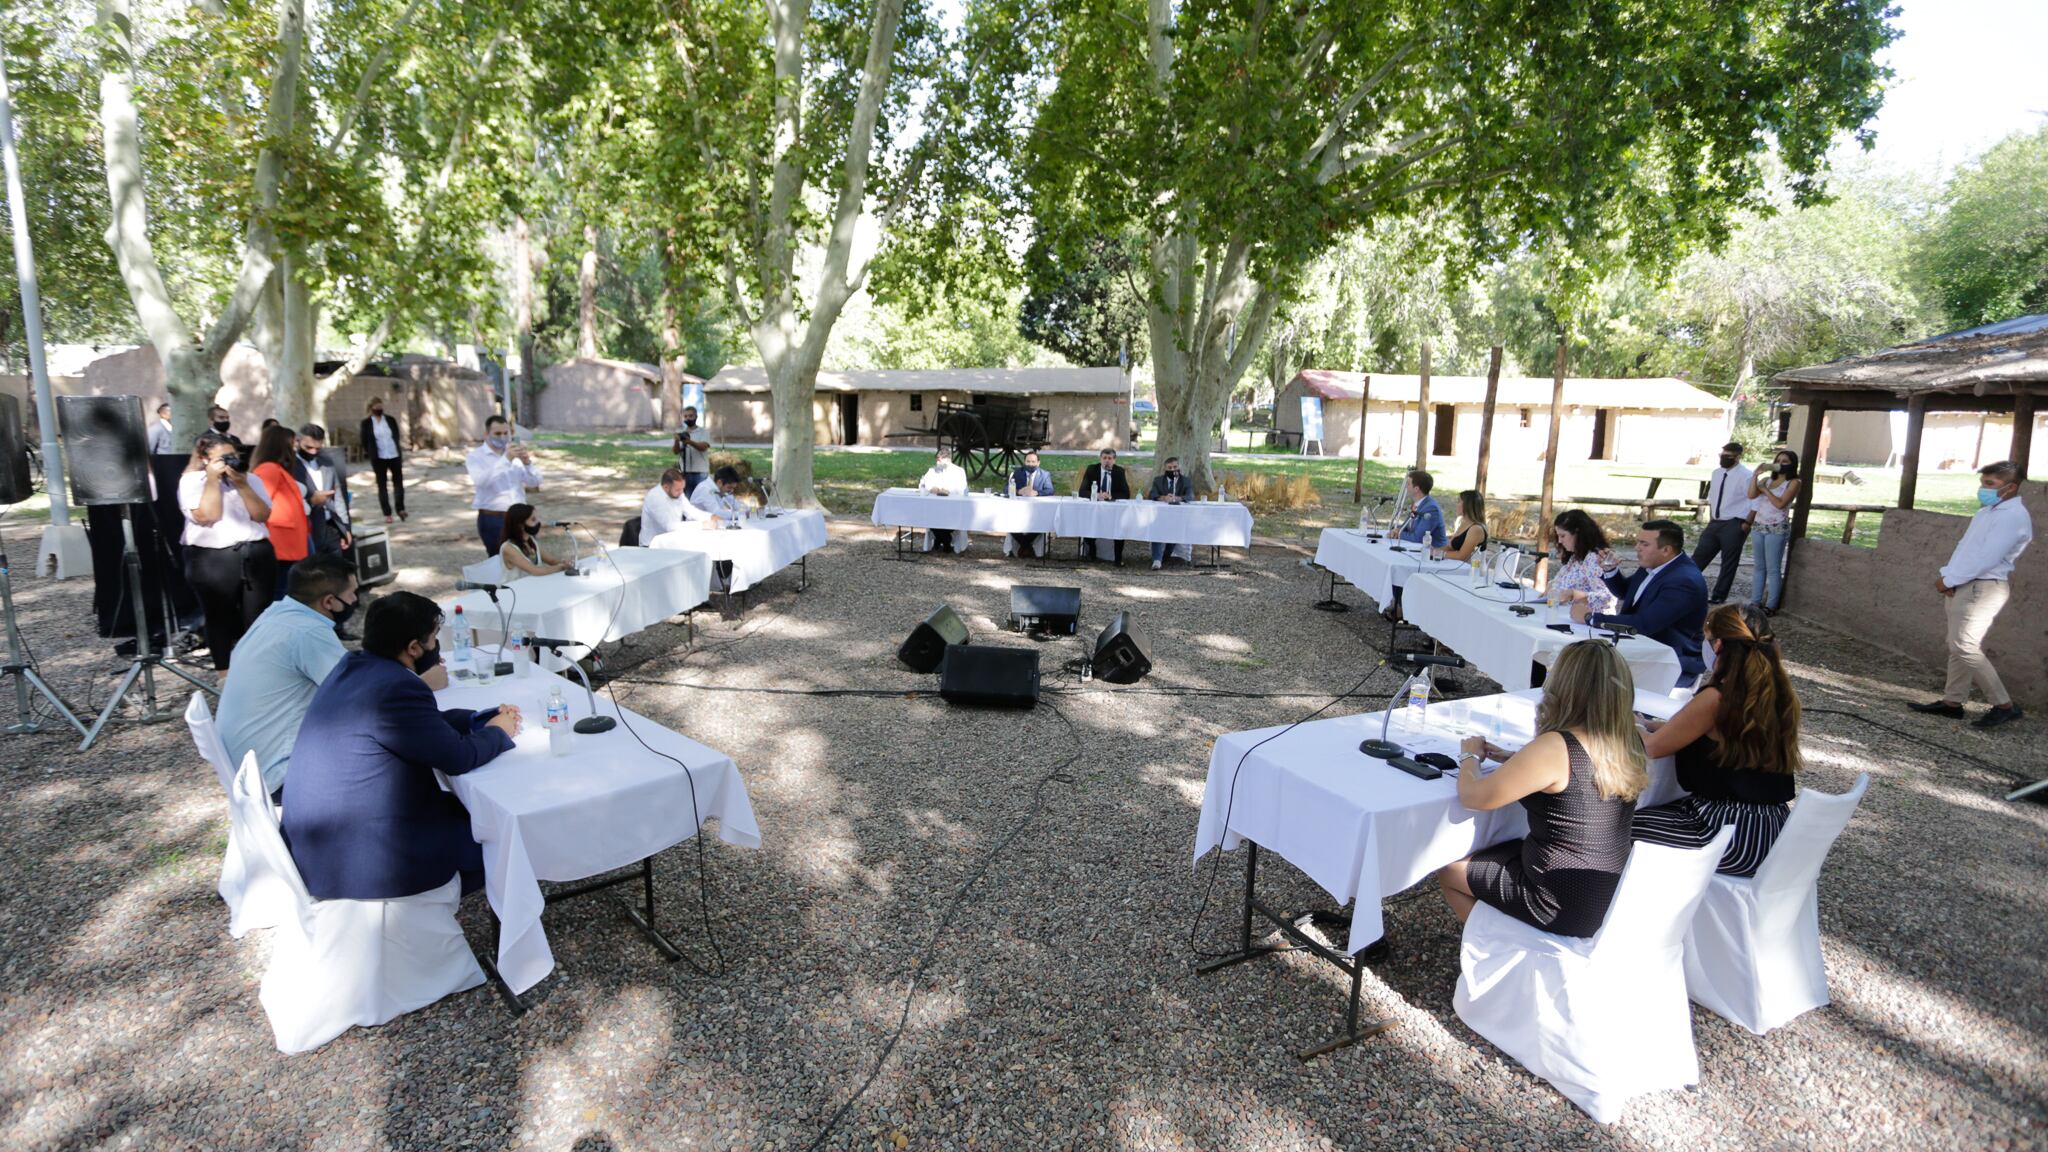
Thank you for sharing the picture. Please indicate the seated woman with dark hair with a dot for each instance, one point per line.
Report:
(1577, 559)
(521, 550)
(1472, 534)
(1736, 743)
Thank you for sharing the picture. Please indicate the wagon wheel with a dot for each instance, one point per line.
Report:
(964, 434)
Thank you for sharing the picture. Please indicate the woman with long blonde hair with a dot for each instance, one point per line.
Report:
(1578, 780)
(1736, 744)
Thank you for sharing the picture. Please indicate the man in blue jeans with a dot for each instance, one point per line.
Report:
(1169, 487)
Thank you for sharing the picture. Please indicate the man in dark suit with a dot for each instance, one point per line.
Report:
(364, 817)
(379, 438)
(1665, 599)
(1171, 486)
(1105, 481)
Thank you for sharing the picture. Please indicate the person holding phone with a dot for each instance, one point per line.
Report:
(229, 563)
(1773, 492)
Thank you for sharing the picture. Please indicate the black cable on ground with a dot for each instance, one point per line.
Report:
(1996, 770)
(1056, 774)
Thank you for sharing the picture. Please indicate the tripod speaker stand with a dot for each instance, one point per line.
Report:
(147, 659)
(24, 673)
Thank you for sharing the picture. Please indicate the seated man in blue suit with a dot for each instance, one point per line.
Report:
(1425, 522)
(366, 819)
(1665, 599)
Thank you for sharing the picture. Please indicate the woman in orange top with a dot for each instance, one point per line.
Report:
(290, 532)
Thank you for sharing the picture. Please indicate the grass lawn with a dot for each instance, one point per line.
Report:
(847, 481)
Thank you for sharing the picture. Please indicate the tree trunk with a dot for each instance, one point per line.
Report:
(1195, 297)
(522, 314)
(671, 347)
(1486, 419)
(586, 292)
(1422, 412)
(1543, 525)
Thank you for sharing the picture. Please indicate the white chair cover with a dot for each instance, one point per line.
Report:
(1038, 548)
(491, 571)
(1752, 956)
(960, 539)
(1604, 1019)
(255, 897)
(335, 964)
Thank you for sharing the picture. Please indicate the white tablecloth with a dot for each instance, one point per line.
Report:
(1202, 523)
(645, 587)
(978, 512)
(1360, 828)
(606, 804)
(1373, 566)
(764, 546)
(1476, 624)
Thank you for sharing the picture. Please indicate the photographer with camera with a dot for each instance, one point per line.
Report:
(1773, 491)
(228, 558)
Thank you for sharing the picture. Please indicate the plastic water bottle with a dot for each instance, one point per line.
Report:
(459, 665)
(1010, 490)
(557, 722)
(515, 651)
(1091, 490)
(1418, 697)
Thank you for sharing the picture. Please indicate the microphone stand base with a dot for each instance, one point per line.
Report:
(1380, 749)
(592, 725)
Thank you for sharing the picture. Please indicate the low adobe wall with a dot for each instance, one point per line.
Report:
(1885, 595)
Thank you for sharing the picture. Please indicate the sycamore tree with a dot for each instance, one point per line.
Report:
(1242, 139)
(1987, 256)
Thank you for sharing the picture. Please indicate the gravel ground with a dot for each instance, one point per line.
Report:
(1059, 1010)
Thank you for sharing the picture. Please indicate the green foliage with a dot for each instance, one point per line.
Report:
(1987, 257)
(1090, 310)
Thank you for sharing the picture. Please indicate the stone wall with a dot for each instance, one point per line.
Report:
(1885, 595)
(596, 394)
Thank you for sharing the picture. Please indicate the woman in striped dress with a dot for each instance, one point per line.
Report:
(1736, 744)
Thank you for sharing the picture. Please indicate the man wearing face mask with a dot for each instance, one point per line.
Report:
(501, 472)
(218, 416)
(1730, 515)
(366, 818)
(379, 438)
(325, 479)
(1974, 587)
(281, 661)
(1169, 487)
(693, 452)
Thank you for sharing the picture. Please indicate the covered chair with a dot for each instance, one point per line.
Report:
(336, 964)
(1752, 956)
(1603, 1019)
(256, 897)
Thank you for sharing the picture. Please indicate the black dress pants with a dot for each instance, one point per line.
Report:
(1725, 538)
(395, 469)
(234, 586)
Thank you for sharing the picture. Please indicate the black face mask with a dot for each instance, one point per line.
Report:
(1727, 461)
(220, 426)
(376, 413)
(428, 660)
(349, 609)
(308, 457)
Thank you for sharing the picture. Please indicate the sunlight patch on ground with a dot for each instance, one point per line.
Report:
(602, 1076)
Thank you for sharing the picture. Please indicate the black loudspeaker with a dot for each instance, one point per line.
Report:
(1045, 608)
(981, 674)
(14, 480)
(928, 642)
(107, 448)
(1120, 657)
(373, 556)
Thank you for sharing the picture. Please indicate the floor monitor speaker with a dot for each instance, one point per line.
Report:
(14, 478)
(984, 674)
(1120, 657)
(1045, 608)
(107, 448)
(927, 645)
(373, 556)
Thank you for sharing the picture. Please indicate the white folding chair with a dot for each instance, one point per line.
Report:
(336, 964)
(1752, 955)
(491, 571)
(1603, 1019)
(255, 897)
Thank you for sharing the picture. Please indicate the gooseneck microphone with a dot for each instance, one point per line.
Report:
(477, 586)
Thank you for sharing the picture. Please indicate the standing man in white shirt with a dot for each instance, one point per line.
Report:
(944, 478)
(693, 451)
(161, 442)
(1974, 582)
(379, 438)
(1730, 514)
(501, 473)
(664, 510)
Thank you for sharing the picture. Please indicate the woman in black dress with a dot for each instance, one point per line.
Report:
(1578, 780)
(1472, 537)
(1736, 743)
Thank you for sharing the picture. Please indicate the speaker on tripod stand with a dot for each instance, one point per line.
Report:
(20, 667)
(108, 452)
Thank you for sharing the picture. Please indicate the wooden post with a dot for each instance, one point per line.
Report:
(1909, 458)
(1486, 419)
(1422, 412)
(1364, 400)
(1809, 464)
(1545, 515)
(2022, 428)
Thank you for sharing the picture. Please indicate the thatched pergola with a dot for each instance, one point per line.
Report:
(2001, 368)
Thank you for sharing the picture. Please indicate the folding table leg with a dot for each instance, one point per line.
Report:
(1329, 602)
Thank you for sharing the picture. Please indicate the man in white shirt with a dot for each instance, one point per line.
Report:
(693, 451)
(1730, 514)
(1974, 581)
(944, 478)
(664, 510)
(501, 473)
(161, 442)
(715, 494)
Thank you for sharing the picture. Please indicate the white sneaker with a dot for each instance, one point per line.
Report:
(1155, 565)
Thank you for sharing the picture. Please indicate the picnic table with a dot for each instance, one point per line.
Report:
(1849, 523)
(1657, 479)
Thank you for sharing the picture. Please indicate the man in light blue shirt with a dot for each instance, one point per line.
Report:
(281, 660)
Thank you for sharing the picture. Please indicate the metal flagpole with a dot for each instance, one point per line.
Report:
(62, 540)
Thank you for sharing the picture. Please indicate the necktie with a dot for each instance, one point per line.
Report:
(1720, 482)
